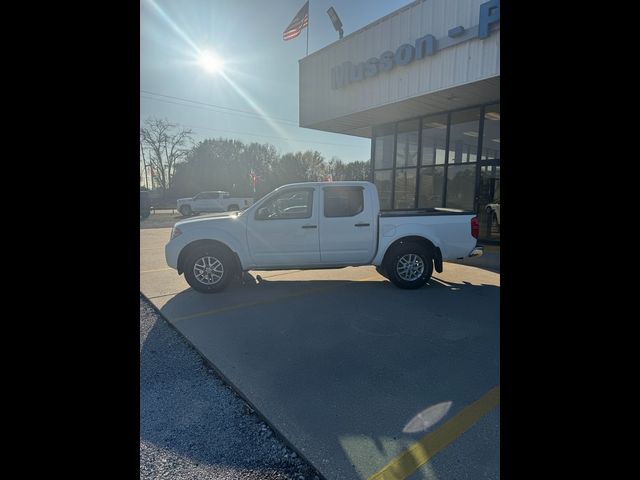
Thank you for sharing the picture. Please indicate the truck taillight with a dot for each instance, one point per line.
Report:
(474, 227)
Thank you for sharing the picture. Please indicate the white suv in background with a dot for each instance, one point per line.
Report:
(212, 202)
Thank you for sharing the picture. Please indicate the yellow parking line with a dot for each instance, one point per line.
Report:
(165, 295)
(426, 448)
(156, 270)
(251, 304)
(269, 300)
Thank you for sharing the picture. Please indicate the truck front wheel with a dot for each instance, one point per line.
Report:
(409, 265)
(209, 269)
(186, 211)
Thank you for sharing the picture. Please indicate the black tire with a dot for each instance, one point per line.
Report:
(144, 214)
(233, 208)
(210, 255)
(382, 272)
(400, 258)
(186, 211)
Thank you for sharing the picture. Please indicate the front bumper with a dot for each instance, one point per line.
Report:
(171, 253)
(476, 252)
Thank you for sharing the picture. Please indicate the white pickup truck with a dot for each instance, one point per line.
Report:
(321, 225)
(212, 202)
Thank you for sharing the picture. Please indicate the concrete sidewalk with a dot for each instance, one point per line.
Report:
(490, 260)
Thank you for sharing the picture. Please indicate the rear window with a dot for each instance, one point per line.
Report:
(343, 201)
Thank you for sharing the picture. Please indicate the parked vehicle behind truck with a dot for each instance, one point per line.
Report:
(217, 201)
(321, 225)
(145, 204)
(494, 209)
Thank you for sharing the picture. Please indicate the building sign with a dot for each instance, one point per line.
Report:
(347, 73)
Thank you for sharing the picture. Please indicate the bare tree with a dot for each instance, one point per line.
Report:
(166, 148)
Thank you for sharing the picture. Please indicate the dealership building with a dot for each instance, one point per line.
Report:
(423, 83)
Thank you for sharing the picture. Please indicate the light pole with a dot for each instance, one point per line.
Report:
(146, 179)
(337, 24)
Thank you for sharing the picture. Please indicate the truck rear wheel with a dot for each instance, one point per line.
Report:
(209, 269)
(409, 265)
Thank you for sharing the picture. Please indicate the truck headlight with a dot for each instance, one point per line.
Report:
(175, 232)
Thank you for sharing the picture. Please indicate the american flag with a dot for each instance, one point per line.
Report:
(300, 21)
(254, 179)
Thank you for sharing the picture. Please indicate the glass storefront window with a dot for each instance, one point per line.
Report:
(463, 138)
(434, 138)
(431, 187)
(405, 192)
(443, 171)
(382, 181)
(407, 145)
(491, 133)
(384, 147)
(461, 182)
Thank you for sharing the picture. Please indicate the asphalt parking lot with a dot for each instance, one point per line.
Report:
(365, 380)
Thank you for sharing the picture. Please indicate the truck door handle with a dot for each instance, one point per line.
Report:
(309, 226)
(361, 224)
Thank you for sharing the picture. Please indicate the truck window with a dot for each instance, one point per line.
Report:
(226, 195)
(343, 201)
(287, 205)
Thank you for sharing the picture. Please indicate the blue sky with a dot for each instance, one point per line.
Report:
(261, 69)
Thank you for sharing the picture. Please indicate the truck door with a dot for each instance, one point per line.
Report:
(199, 203)
(347, 227)
(283, 232)
(211, 202)
(224, 201)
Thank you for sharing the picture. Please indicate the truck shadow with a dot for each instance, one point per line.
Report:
(330, 363)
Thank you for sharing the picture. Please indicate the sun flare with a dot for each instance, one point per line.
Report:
(210, 62)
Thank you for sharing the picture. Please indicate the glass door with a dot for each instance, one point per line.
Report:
(488, 198)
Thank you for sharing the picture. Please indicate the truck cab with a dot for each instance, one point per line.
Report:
(291, 225)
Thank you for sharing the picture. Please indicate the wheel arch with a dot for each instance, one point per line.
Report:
(186, 251)
(434, 250)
